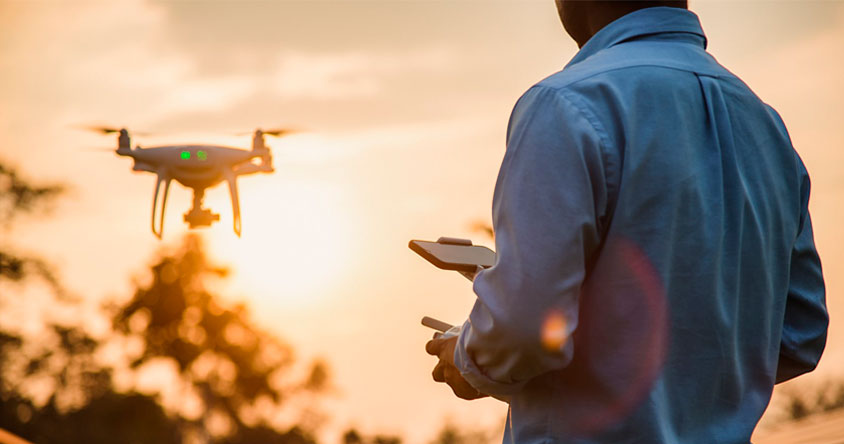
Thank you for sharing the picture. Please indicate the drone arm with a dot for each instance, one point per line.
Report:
(231, 178)
(158, 232)
(139, 166)
(249, 168)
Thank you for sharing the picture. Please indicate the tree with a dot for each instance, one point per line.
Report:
(451, 434)
(237, 370)
(18, 412)
(805, 402)
(18, 197)
(232, 366)
(352, 436)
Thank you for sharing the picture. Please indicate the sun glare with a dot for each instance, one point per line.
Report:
(296, 243)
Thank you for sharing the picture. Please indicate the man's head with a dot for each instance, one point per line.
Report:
(583, 18)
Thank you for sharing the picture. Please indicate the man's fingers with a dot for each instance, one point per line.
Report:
(445, 371)
(433, 346)
(446, 354)
(439, 372)
(461, 388)
(450, 374)
(443, 348)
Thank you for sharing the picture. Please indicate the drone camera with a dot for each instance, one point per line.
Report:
(200, 217)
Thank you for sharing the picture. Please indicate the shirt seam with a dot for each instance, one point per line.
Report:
(508, 154)
(611, 169)
(573, 82)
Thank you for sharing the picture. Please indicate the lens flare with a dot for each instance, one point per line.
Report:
(554, 331)
(620, 343)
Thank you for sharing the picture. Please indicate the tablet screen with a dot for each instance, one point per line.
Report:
(454, 257)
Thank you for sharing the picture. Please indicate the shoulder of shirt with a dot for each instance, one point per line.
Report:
(611, 63)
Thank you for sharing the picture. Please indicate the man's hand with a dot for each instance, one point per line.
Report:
(445, 371)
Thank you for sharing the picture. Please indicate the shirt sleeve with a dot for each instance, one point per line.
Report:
(806, 319)
(551, 193)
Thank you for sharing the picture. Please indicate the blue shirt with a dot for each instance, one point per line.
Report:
(656, 271)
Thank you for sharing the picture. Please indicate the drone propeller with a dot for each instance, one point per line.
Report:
(274, 132)
(279, 132)
(103, 129)
(109, 130)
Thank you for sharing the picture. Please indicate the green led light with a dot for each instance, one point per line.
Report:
(202, 155)
(185, 155)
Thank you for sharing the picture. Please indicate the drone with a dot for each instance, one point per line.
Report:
(197, 167)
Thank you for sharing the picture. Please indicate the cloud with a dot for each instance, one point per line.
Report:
(351, 74)
(803, 82)
(213, 93)
(105, 62)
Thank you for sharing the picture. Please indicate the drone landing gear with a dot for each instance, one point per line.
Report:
(198, 216)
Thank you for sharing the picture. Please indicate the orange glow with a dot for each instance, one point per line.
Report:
(554, 331)
(296, 241)
(403, 107)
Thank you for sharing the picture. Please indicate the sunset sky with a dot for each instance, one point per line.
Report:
(403, 107)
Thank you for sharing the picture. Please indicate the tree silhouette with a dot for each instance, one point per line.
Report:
(62, 357)
(352, 436)
(451, 434)
(804, 402)
(54, 388)
(18, 197)
(231, 365)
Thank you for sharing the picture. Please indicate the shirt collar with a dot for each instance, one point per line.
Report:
(644, 22)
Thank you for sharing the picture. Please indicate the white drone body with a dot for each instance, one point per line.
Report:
(197, 167)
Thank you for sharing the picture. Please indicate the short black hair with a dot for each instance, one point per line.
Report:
(641, 4)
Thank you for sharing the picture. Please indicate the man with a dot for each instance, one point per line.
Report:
(656, 271)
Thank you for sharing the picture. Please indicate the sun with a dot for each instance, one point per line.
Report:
(296, 244)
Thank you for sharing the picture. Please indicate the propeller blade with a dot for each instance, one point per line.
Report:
(274, 132)
(280, 132)
(101, 129)
(110, 130)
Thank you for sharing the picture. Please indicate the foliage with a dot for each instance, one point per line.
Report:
(17, 197)
(450, 434)
(231, 365)
(352, 436)
(111, 417)
(55, 389)
(804, 403)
